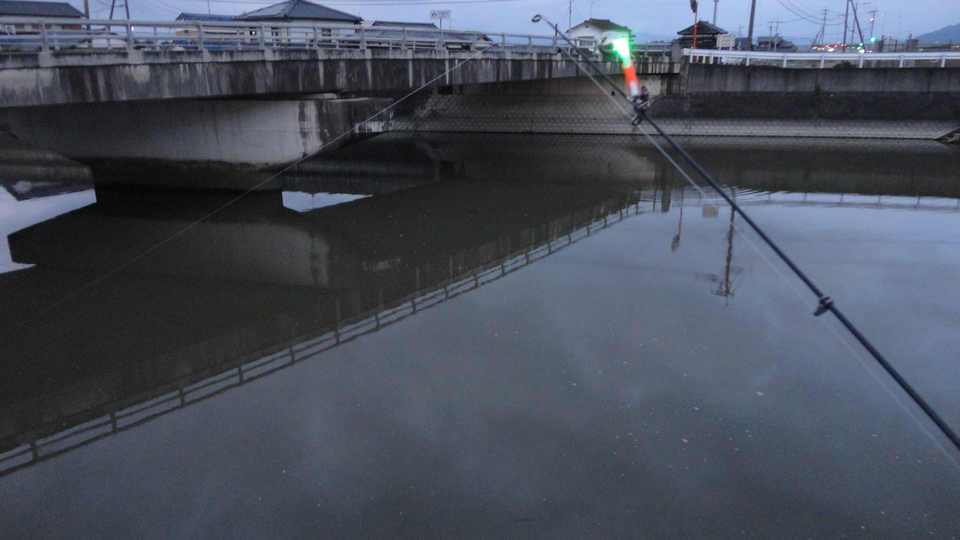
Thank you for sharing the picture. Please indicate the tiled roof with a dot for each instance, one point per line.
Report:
(205, 17)
(703, 28)
(19, 8)
(406, 24)
(603, 24)
(298, 9)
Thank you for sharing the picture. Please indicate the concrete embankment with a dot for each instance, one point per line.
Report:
(718, 101)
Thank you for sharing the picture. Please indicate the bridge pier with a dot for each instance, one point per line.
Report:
(233, 136)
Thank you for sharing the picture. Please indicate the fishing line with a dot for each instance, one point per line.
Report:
(229, 203)
(855, 353)
(825, 303)
(619, 104)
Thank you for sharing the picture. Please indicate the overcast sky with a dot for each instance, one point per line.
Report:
(797, 18)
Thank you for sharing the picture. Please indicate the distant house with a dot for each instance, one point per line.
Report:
(420, 35)
(592, 33)
(29, 11)
(708, 36)
(216, 33)
(775, 44)
(205, 17)
(299, 10)
(294, 11)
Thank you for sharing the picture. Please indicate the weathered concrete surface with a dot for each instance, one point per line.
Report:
(600, 113)
(249, 134)
(31, 166)
(577, 105)
(60, 78)
(711, 78)
(763, 93)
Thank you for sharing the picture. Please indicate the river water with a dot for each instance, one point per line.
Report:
(483, 336)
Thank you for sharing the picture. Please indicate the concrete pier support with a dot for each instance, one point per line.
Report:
(243, 135)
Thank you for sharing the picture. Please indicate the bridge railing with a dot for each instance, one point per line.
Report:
(824, 59)
(21, 35)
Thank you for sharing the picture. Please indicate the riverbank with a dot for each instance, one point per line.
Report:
(603, 114)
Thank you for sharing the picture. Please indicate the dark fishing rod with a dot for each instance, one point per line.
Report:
(640, 104)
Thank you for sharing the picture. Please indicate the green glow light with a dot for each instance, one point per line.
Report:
(621, 46)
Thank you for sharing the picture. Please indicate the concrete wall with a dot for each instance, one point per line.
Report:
(705, 78)
(763, 92)
(52, 78)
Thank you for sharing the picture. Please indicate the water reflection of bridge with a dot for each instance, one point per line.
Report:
(43, 419)
(206, 313)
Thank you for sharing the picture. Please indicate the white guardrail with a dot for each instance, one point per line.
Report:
(824, 59)
(19, 34)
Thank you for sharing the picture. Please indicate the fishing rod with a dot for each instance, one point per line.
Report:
(639, 99)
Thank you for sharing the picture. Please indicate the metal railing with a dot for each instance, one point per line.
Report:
(18, 34)
(824, 59)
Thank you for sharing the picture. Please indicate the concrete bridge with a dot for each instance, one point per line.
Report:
(252, 96)
(219, 97)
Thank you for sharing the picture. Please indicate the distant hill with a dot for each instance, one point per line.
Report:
(943, 35)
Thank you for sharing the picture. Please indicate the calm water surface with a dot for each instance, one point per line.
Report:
(487, 337)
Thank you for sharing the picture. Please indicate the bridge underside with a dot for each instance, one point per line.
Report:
(224, 112)
(218, 143)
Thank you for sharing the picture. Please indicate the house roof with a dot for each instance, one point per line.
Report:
(602, 24)
(300, 10)
(703, 29)
(425, 34)
(204, 17)
(20, 8)
(406, 24)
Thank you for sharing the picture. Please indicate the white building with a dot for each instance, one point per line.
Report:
(592, 33)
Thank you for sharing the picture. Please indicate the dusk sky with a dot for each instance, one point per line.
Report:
(797, 18)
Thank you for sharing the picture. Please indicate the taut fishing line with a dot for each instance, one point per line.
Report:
(824, 302)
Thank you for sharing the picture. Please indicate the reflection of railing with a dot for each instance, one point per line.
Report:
(822, 60)
(68, 34)
(49, 447)
(842, 200)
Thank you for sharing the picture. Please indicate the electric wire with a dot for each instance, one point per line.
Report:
(825, 303)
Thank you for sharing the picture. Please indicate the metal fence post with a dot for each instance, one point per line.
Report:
(44, 45)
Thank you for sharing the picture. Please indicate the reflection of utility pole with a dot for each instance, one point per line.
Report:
(675, 244)
(725, 286)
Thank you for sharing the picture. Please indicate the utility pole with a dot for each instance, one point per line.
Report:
(113, 4)
(715, 2)
(753, 12)
(846, 18)
(856, 20)
(822, 34)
